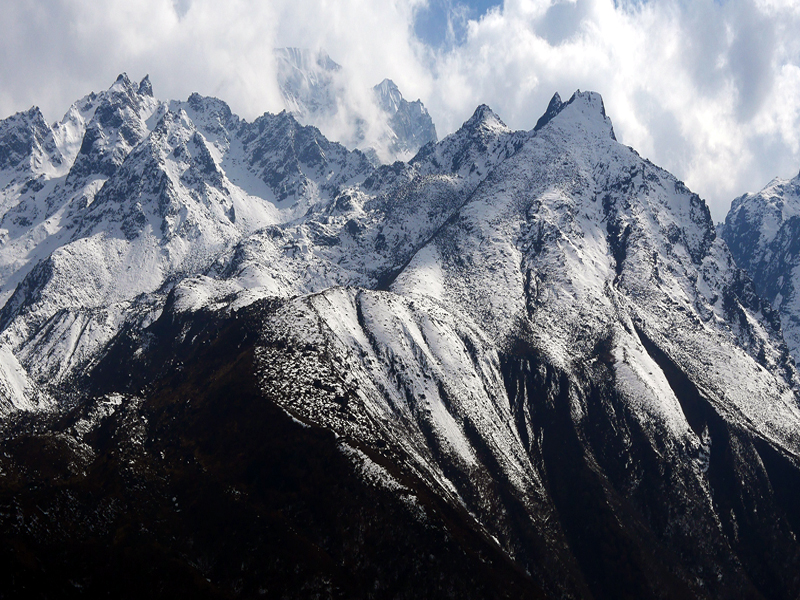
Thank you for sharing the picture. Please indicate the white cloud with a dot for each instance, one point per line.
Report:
(706, 89)
(710, 90)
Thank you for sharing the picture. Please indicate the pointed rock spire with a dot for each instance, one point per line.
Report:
(483, 115)
(583, 106)
(553, 109)
(145, 87)
(123, 85)
(590, 104)
(388, 95)
(123, 79)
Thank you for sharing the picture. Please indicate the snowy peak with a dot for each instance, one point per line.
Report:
(755, 219)
(26, 140)
(762, 231)
(481, 143)
(583, 112)
(116, 126)
(211, 116)
(145, 87)
(297, 162)
(553, 108)
(124, 90)
(307, 80)
(411, 127)
(389, 96)
(484, 119)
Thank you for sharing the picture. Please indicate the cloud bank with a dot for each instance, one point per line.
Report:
(707, 89)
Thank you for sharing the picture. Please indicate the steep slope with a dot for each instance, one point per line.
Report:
(762, 231)
(52, 173)
(203, 487)
(589, 263)
(409, 122)
(576, 359)
(27, 148)
(17, 392)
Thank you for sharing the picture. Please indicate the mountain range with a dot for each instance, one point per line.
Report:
(239, 359)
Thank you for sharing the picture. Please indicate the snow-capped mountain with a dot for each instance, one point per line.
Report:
(762, 231)
(308, 82)
(410, 124)
(152, 195)
(521, 364)
(386, 126)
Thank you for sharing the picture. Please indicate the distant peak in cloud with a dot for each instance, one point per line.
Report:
(181, 7)
(389, 96)
(307, 59)
(307, 80)
(377, 120)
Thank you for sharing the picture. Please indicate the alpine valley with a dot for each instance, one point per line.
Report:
(238, 359)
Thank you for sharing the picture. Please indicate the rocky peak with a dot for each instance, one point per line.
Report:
(584, 111)
(22, 136)
(410, 125)
(123, 86)
(553, 109)
(484, 118)
(211, 115)
(145, 87)
(389, 96)
(116, 126)
(287, 155)
(482, 142)
(762, 231)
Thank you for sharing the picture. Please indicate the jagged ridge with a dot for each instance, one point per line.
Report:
(540, 330)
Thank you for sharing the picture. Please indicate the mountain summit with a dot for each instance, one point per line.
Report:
(762, 231)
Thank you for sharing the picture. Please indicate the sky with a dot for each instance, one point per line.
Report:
(708, 89)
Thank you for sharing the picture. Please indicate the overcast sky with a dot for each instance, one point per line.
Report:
(709, 89)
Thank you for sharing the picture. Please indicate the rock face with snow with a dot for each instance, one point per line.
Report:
(762, 231)
(410, 122)
(521, 364)
(384, 124)
(156, 191)
(307, 81)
